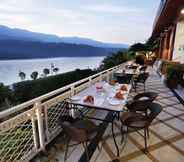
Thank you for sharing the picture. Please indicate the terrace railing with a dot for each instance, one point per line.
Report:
(26, 129)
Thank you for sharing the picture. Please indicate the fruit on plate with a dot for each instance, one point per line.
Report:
(119, 95)
(113, 82)
(89, 99)
(124, 88)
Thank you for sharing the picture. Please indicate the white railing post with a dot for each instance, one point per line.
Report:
(101, 77)
(90, 81)
(72, 90)
(46, 123)
(72, 112)
(108, 76)
(40, 125)
(35, 135)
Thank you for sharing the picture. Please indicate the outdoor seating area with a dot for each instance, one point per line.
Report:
(117, 121)
(83, 82)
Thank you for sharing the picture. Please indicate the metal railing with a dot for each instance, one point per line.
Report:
(26, 129)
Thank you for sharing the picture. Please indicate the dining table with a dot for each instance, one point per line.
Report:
(128, 71)
(104, 98)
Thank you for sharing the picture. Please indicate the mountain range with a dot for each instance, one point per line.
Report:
(19, 43)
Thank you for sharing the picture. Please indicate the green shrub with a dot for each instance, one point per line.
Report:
(27, 90)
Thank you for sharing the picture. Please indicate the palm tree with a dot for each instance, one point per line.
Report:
(52, 68)
(22, 75)
(46, 71)
(34, 75)
(55, 70)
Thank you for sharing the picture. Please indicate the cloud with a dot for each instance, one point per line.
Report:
(113, 9)
(108, 21)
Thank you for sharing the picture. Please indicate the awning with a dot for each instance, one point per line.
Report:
(169, 14)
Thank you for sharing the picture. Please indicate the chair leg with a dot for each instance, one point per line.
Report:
(135, 87)
(86, 150)
(147, 129)
(66, 151)
(144, 87)
(123, 132)
(148, 133)
(98, 147)
(145, 140)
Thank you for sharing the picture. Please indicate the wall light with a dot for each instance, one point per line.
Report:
(182, 11)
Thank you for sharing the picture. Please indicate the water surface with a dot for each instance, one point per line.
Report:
(9, 69)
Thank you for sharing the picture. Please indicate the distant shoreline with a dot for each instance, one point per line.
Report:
(9, 59)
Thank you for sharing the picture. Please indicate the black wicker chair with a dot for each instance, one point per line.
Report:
(140, 79)
(77, 130)
(151, 96)
(124, 78)
(137, 121)
(143, 69)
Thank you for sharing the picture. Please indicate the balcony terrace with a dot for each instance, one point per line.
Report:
(31, 132)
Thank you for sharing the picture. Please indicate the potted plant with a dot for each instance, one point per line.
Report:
(182, 75)
(171, 80)
(139, 59)
(182, 81)
(174, 76)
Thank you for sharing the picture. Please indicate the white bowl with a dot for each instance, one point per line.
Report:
(114, 102)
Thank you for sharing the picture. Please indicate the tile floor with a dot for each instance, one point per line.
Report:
(166, 142)
(180, 91)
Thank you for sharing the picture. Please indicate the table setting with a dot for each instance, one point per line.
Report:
(104, 95)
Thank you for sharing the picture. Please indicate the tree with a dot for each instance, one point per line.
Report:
(52, 68)
(114, 59)
(34, 75)
(22, 75)
(152, 44)
(55, 70)
(6, 96)
(46, 71)
(137, 47)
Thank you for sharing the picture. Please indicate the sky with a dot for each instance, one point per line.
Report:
(116, 21)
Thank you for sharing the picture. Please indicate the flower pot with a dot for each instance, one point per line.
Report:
(173, 83)
(182, 83)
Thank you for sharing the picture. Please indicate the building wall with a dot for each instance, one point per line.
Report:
(178, 53)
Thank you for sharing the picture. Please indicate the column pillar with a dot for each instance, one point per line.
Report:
(172, 41)
(161, 46)
(165, 50)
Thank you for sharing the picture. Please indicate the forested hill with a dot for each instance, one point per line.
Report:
(17, 49)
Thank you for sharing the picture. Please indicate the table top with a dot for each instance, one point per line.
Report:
(128, 71)
(104, 98)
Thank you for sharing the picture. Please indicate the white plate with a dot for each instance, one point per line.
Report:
(114, 101)
(144, 98)
(75, 98)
